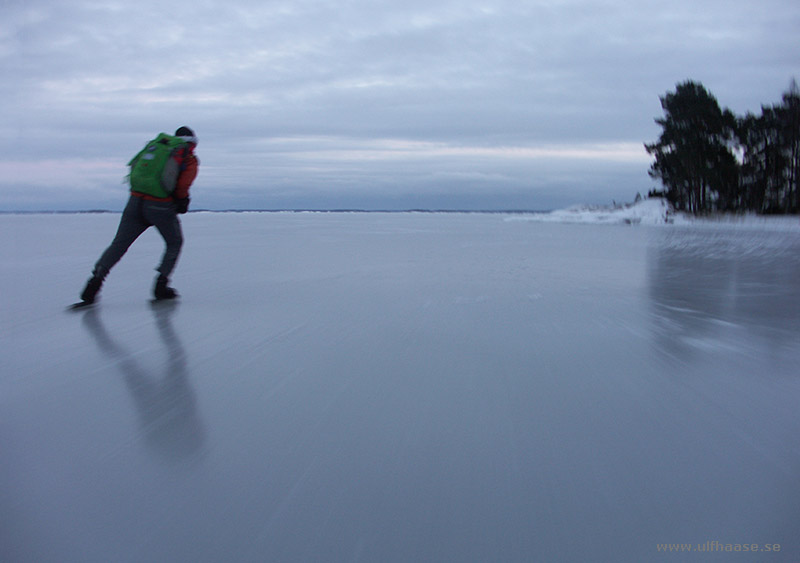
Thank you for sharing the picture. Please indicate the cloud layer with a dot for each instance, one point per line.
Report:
(461, 104)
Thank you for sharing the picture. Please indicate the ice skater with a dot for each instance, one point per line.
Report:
(160, 177)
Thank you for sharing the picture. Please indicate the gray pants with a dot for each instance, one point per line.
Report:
(138, 216)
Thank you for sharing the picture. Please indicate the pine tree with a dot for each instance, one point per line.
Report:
(693, 156)
(771, 156)
(790, 135)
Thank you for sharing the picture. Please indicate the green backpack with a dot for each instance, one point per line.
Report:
(154, 171)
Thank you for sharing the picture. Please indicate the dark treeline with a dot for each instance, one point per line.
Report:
(709, 159)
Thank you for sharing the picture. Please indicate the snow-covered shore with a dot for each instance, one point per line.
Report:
(657, 211)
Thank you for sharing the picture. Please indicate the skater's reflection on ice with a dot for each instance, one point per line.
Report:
(165, 401)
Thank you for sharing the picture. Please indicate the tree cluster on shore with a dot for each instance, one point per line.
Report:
(709, 159)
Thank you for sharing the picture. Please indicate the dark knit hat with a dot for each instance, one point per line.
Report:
(187, 134)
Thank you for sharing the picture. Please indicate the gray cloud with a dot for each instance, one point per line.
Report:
(496, 103)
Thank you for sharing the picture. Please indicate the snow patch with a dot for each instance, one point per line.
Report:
(649, 211)
(657, 211)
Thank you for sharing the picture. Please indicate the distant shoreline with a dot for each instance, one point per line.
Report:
(649, 211)
(476, 211)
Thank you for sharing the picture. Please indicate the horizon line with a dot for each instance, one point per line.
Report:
(281, 210)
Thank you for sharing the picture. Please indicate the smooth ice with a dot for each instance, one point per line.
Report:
(399, 387)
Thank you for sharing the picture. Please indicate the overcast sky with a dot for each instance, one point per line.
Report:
(400, 104)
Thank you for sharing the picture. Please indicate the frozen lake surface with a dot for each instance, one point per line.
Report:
(400, 387)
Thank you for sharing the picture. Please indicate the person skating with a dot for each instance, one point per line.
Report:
(159, 192)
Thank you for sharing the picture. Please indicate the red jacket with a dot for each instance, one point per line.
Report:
(188, 172)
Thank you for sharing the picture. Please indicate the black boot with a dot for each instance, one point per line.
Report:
(93, 286)
(162, 290)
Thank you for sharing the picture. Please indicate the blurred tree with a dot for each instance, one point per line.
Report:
(694, 155)
(790, 136)
(771, 156)
(762, 162)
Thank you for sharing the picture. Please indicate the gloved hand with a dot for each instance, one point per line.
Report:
(182, 204)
